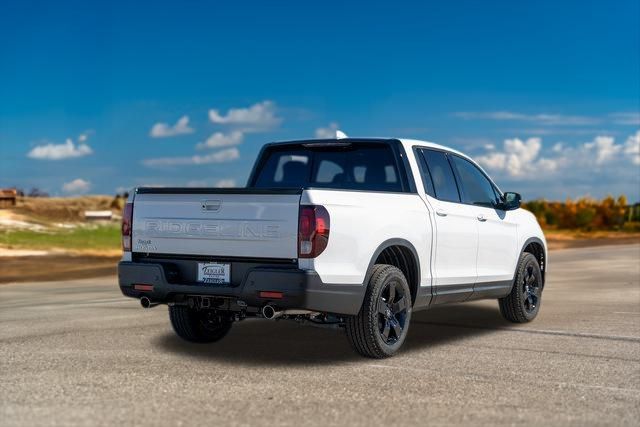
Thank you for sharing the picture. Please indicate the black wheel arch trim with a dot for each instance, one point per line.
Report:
(544, 249)
(396, 242)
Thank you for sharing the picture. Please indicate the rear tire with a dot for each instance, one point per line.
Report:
(523, 303)
(199, 326)
(381, 326)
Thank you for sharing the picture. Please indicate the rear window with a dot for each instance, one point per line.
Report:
(370, 167)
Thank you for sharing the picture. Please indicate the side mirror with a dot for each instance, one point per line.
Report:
(510, 201)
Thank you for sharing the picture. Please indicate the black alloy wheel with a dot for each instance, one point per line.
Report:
(530, 289)
(381, 326)
(392, 312)
(523, 302)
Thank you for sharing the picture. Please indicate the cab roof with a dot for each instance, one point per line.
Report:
(406, 142)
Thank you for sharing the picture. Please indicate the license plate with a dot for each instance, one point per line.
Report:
(212, 272)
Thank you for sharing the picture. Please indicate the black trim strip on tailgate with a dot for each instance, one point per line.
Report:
(141, 256)
(203, 190)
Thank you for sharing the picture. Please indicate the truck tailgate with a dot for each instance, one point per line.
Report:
(244, 223)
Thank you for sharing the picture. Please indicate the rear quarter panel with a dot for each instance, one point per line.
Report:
(359, 223)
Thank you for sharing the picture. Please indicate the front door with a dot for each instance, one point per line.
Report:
(497, 229)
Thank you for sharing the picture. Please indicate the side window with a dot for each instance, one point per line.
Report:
(443, 180)
(424, 173)
(476, 188)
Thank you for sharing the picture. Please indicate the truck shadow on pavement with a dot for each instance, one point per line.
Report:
(261, 342)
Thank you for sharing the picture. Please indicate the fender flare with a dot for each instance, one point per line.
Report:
(544, 249)
(387, 244)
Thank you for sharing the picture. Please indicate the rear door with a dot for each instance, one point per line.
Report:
(230, 223)
(497, 230)
(456, 229)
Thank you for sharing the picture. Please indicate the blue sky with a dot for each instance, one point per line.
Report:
(544, 94)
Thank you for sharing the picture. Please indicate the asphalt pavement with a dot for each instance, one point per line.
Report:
(79, 353)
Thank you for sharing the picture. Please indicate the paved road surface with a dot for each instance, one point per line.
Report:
(80, 354)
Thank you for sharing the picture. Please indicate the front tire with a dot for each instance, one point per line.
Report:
(523, 303)
(199, 326)
(381, 326)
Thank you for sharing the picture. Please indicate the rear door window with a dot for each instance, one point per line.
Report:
(424, 173)
(441, 174)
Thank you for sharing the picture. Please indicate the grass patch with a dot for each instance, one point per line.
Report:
(101, 237)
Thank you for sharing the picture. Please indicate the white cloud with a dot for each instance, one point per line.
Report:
(328, 132)
(61, 151)
(163, 130)
(226, 183)
(600, 156)
(594, 168)
(629, 118)
(493, 161)
(221, 156)
(632, 148)
(517, 159)
(603, 148)
(554, 130)
(150, 184)
(197, 183)
(221, 183)
(77, 186)
(542, 118)
(84, 136)
(546, 165)
(547, 119)
(258, 117)
(220, 139)
(122, 189)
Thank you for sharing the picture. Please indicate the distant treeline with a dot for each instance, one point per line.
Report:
(587, 214)
(34, 192)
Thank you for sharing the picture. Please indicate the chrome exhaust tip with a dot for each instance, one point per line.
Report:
(269, 312)
(147, 303)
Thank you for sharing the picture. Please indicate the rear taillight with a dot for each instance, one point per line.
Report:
(313, 231)
(127, 224)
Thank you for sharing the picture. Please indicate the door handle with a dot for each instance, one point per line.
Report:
(481, 218)
(440, 212)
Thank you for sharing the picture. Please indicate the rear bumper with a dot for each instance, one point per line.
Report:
(301, 289)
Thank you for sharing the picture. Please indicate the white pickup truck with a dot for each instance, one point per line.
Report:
(352, 232)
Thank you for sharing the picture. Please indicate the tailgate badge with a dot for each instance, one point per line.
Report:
(211, 205)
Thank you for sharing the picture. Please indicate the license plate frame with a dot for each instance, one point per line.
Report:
(214, 273)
